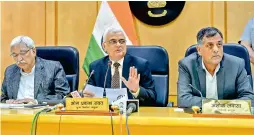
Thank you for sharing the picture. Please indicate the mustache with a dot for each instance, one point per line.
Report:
(21, 62)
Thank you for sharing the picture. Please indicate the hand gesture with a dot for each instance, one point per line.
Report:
(133, 81)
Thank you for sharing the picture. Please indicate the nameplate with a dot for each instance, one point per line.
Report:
(226, 107)
(88, 104)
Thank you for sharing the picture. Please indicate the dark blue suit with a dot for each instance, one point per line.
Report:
(147, 94)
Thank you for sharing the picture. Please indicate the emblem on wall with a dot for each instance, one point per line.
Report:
(156, 12)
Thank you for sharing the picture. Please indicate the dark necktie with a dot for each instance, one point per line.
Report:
(115, 82)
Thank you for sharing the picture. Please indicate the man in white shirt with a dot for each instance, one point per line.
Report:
(133, 71)
(215, 74)
(32, 79)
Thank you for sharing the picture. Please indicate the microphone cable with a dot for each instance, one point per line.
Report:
(112, 125)
(127, 126)
(35, 119)
(34, 122)
(121, 123)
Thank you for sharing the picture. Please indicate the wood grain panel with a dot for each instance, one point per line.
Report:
(176, 36)
(75, 25)
(238, 14)
(50, 20)
(21, 18)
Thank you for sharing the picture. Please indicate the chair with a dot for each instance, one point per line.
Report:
(69, 58)
(158, 60)
(232, 49)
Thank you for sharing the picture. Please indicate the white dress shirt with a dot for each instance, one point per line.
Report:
(26, 85)
(120, 69)
(211, 83)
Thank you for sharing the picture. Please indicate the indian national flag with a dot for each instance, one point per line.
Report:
(111, 14)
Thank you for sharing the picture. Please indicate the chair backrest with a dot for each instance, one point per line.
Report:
(232, 49)
(159, 64)
(69, 58)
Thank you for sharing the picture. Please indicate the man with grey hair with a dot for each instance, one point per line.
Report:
(210, 71)
(32, 79)
(140, 83)
(247, 40)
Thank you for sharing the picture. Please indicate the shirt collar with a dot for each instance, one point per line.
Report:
(119, 61)
(216, 70)
(25, 74)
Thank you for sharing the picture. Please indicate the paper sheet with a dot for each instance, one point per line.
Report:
(112, 94)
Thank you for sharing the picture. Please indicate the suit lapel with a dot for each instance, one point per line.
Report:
(126, 68)
(15, 82)
(108, 81)
(220, 80)
(202, 77)
(38, 76)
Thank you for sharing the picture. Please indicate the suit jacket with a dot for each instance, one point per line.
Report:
(147, 94)
(232, 80)
(50, 82)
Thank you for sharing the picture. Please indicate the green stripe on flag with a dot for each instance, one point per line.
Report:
(93, 53)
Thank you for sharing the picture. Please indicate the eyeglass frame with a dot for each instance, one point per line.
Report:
(117, 41)
(22, 54)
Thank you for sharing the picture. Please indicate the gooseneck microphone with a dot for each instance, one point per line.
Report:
(131, 108)
(105, 80)
(82, 92)
(196, 90)
(192, 88)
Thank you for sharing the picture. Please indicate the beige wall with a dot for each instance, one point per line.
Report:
(71, 23)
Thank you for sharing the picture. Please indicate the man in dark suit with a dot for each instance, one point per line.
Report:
(216, 74)
(140, 83)
(32, 79)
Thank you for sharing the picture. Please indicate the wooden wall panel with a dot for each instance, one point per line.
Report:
(176, 36)
(21, 18)
(1, 75)
(75, 24)
(218, 17)
(238, 14)
(51, 24)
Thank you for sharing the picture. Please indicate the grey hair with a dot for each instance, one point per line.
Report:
(23, 40)
(110, 30)
(207, 32)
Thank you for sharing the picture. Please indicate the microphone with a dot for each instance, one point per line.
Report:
(82, 94)
(52, 102)
(196, 90)
(192, 88)
(195, 109)
(131, 108)
(53, 107)
(105, 80)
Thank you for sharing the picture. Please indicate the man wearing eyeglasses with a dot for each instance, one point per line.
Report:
(32, 79)
(126, 71)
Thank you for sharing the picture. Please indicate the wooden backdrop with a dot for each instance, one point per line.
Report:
(71, 23)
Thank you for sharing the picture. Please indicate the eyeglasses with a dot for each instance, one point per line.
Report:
(21, 53)
(114, 41)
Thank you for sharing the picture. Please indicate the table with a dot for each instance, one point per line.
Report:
(150, 121)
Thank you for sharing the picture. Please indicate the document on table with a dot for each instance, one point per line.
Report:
(112, 94)
(3, 105)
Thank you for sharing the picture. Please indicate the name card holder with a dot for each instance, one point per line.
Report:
(87, 106)
(225, 109)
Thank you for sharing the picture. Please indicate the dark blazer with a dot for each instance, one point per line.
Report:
(232, 80)
(50, 81)
(147, 94)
